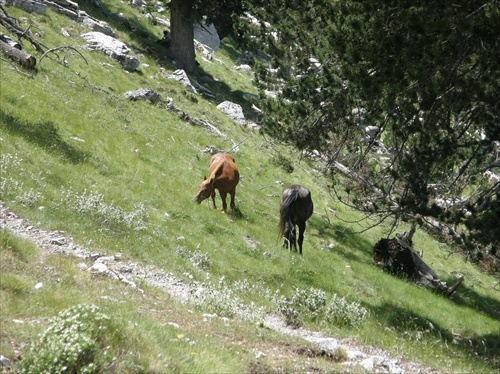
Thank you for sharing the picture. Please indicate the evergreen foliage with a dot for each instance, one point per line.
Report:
(425, 76)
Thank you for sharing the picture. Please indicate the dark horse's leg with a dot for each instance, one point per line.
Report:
(286, 237)
(302, 228)
(292, 237)
(289, 237)
(286, 240)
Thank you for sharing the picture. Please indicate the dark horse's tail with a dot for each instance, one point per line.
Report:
(285, 211)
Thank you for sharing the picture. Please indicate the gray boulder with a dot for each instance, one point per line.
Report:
(180, 76)
(95, 24)
(235, 111)
(143, 94)
(97, 41)
(207, 35)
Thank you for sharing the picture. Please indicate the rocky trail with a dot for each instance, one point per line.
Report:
(369, 358)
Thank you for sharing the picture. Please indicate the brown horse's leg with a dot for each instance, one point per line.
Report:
(223, 197)
(213, 198)
(232, 193)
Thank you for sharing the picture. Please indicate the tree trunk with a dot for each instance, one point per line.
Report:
(25, 59)
(397, 257)
(181, 48)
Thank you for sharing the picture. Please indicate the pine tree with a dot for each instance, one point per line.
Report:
(425, 76)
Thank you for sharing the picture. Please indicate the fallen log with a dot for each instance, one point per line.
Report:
(11, 24)
(397, 257)
(13, 43)
(25, 59)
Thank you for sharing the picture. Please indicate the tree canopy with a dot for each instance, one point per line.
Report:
(401, 96)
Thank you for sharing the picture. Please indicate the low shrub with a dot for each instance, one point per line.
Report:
(344, 313)
(197, 258)
(74, 342)
(92, 203)
(222, 300)
(303, 305)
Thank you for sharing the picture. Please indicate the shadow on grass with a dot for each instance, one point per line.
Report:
(463, 296)
(118, 22)
(360, 248)
(43, 134)
(484, 347)
(467, 297)
(149, 44)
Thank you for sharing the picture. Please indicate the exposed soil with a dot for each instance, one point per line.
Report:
(367, 358)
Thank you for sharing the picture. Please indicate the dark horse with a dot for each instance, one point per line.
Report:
(295, 209)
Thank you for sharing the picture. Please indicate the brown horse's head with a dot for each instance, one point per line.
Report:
(204, 191)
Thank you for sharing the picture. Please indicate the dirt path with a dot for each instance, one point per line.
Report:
(372, 359)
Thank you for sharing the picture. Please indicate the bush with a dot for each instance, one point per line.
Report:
(282, 162)
(344, 313)
(71, 343)
(303, 304)
(197, 258)
(221, 299)
(92, 203)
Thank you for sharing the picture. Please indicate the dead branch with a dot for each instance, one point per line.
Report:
(16, 68)
(11, 24)
(453, 288)
(66, 48)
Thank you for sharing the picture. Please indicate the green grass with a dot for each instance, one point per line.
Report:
(78, 157)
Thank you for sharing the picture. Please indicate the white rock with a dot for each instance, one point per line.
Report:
(180, 76)
(235, 111)
(105, 259)
(58, 241)
(98, 267)
(95, 24)
(111, 47)
(5, 362)
(246, 68)
(82, 266)
(143, 94)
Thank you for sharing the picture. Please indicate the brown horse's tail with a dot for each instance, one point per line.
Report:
(285, 212)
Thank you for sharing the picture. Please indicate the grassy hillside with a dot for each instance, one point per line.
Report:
(119, 177)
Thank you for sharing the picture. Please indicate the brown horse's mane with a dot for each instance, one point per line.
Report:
(218, 171)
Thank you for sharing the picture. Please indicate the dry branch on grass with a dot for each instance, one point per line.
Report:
(65, 48)
(16, 68)
(11, 24)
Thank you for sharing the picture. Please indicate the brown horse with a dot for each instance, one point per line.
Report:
(224, 176)
(295, 209)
